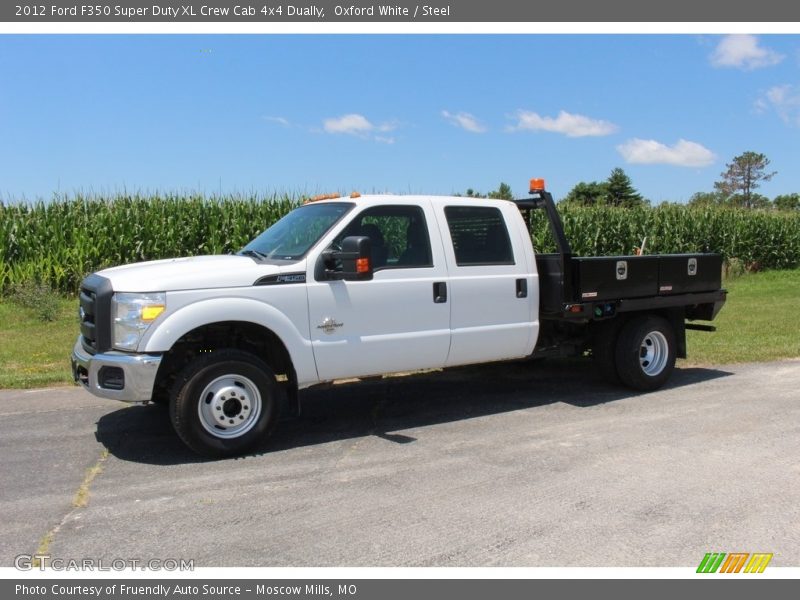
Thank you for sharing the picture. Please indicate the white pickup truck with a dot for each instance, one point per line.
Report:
(369, 285)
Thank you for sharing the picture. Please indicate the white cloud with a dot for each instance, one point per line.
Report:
(279, 121)
(359, 126)
(465, 121)
(784, 100)
(565, 123)
(650, 152)
(353, 124)
(742, 51)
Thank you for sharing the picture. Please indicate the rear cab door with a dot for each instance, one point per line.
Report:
(494, 291)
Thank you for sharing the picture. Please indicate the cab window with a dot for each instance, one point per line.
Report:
(399, 236)
(479, 236)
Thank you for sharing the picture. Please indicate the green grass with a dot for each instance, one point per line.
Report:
(758, 323)
(34, 353)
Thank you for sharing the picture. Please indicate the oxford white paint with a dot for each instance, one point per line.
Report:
(280, 308)
(488, 322)
(388, 324)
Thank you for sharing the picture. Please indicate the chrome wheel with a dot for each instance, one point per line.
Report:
(229, 406)
(653, 353)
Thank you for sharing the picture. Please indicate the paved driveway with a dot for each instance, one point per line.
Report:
(512, 465)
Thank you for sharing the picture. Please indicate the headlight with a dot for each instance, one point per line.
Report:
(133, 314)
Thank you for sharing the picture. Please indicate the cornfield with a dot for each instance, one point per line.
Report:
(59, 242)
(62, 241)
(762, 239)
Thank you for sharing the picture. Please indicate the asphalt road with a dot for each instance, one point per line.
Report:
(510, 465)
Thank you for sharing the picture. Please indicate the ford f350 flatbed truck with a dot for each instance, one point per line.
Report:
(360, 286)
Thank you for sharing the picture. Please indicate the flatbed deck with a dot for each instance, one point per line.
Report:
(598, 287)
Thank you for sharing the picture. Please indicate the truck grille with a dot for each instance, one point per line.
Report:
(95, 313)
(87, 301)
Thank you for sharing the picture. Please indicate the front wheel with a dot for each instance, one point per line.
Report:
(645, 352)
(225, 402)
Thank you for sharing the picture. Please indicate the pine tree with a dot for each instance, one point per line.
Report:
(742, 176)
(620, 190)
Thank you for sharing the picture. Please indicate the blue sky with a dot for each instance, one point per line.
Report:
(396, 113)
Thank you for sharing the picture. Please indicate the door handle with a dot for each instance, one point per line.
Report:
(522, 288)
(440, 292)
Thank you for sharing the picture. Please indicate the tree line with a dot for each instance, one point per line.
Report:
(736, 188)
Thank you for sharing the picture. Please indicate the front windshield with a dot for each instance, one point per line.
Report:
(292, 236)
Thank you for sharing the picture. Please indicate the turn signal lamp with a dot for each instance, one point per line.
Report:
(362, 265)
(149, 313)
(537, 185)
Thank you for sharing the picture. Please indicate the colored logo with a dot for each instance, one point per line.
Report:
(735, 562)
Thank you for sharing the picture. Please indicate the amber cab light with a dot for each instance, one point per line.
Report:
(537, 185)
(319, 197)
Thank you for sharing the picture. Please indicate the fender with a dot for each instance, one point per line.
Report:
(205, 312)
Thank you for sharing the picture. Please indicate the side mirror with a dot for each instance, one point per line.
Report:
(356, 257)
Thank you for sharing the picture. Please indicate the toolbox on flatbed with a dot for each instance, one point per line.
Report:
(608, 278)
(614, 277)
(566, 279)
(689, 273)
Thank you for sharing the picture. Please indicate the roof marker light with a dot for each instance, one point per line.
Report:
(319, 197)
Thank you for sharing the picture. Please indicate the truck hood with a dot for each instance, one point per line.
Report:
(196, 272)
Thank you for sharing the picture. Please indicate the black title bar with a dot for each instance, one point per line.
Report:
(398, 11)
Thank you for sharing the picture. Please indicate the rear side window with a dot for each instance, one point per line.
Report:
(479, 235)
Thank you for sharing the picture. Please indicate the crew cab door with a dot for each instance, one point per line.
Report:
(399, 320)
(494, 288)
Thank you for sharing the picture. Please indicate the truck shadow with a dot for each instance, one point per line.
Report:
(388, 406)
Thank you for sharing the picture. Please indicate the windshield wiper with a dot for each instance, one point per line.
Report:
(254, 253)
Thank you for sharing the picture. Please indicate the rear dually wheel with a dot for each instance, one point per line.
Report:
(645, 352)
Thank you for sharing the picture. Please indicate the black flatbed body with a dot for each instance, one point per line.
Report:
(598, 287)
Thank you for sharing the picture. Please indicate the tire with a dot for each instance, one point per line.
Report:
(222, 404)
(645, 352)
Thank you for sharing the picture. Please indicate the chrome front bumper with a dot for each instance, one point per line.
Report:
(138, 374)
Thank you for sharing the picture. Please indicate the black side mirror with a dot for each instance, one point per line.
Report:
(356, 257)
